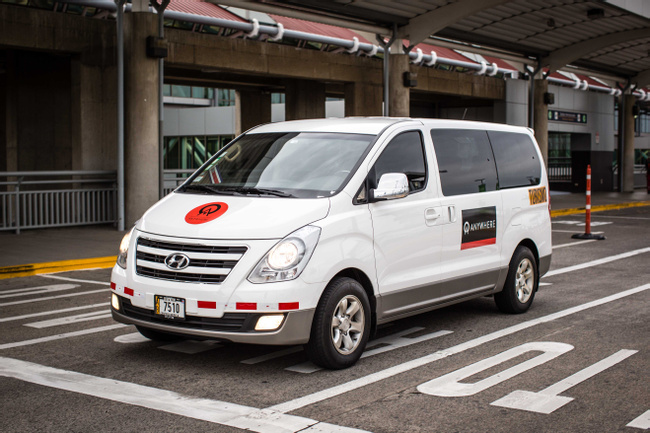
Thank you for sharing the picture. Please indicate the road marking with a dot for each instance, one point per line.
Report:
(548, 400)
(49, 298)
(325, 394)
(49, 313)
(596, 262)
(582, 223)
(191, 347)
(56, 277)
(38, 290)
(449, 385)
(65, 265)
(573, 231)
(599, 208)
(215, 411)
(642, 422)
(273, 355)
(95, 315)
(134, 337)
(394, 341)
(60, 336)
(555, 247)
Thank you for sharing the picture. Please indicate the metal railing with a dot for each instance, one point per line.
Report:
(173, 178)
(41, 199)
(559, 169)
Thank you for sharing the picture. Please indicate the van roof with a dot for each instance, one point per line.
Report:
(375, 125)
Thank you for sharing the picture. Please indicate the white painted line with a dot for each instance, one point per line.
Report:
(49, 298)
(549, 400)
(49, 313)
(642, 422)
(191, 347)
(134, 337)
(575, 231)
(60, 336)
(215, 411)
(394, 341)
(449, 385)
(555, 247)
(545, 284)
(441, 354)
(597, 262)
(40, 290)
(95, 315)
(37, 290)
(619, 217)
(103, 283)
(273, 355)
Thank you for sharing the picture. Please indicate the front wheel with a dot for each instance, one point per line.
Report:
(521, 283)
(341, 325)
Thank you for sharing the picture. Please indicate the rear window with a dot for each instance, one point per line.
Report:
(465, 161)
(516, 159)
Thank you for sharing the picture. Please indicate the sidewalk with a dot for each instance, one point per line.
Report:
(55, 250)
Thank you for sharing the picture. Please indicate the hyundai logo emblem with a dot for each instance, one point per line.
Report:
(177, 261)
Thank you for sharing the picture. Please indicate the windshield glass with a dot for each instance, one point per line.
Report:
(296, 164)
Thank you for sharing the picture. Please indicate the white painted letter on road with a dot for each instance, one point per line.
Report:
(449, 385)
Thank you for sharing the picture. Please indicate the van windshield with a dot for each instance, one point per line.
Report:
(295, 164)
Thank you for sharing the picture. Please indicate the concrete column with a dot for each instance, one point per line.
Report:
(305, 99)
(253, 107)
(362, 99)
(10, 117)
(141, 76)
(628, 143)
(399, 95)
(540, 124)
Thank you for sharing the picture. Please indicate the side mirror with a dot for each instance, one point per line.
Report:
(390, 187)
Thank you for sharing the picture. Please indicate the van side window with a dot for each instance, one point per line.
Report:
(516, 158)
(404, 154)
(465, 161)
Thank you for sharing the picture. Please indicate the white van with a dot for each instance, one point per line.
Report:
(314, 232)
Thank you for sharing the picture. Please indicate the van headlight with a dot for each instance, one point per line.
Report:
(124, 249)
(286, 260)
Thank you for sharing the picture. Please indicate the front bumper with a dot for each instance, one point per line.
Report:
(235, 327)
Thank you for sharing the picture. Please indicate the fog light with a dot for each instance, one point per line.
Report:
(269, 323)
(115, 302)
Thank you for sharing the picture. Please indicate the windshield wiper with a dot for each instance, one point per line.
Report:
(209, 189)
(260, 191)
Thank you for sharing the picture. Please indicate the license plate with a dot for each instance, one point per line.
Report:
(171, 308)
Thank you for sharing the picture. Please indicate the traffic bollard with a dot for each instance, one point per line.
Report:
(587, 234)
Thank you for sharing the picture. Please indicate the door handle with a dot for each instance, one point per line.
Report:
(452, 213)
(431, 214)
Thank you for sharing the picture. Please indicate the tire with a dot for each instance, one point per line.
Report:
(341, 325)
(521, 283)
(154, 335)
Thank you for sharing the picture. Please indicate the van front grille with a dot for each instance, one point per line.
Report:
(207, 263)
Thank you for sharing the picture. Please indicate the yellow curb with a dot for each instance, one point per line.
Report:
(579, 210)
(50, 267)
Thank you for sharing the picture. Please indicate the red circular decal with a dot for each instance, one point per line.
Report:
(206, 213)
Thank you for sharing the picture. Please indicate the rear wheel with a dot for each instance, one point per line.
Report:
(154, 335)
(341, 325)
(521, 283)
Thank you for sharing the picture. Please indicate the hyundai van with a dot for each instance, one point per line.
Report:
(314, 232)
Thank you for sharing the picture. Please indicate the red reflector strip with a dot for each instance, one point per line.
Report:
(207, 304)
(112, 285)
(246, 306)
(288, 306)
(475, 244)
(128, 291)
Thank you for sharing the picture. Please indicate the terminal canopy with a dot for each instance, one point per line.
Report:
(595, 35)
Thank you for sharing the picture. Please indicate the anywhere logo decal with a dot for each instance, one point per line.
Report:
(206, 213)
(479, 227)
